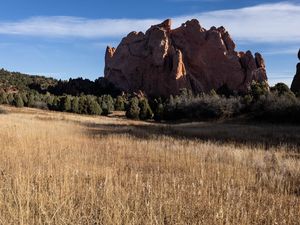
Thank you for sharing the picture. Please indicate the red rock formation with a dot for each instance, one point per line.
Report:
(296, 81)
(162, 61)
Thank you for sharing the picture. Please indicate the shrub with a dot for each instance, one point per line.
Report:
(202, 107)
(93, 107)
(75, 105)
(3, 98)
(120, 103)
(275, 108)
(133, 110)
(10, 99)
(24, 98)
(107, 104)
(281, 89)
(83, 109)
(65, 103)
(145, 109)
(30, 102)
(258, 89)
(18, 101)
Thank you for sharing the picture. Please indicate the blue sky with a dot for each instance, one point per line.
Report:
(64, 38)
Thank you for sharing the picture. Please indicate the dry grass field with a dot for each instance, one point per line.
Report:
(58, 168)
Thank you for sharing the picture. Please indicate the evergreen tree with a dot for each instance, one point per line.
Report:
(18, 101)
(105, 110)
(49, 100)
(159, 112)
(31, 100)
(75, 105)
(94, 108)
(110, 103)
(281, 89)
(55, 103)
(66, 103)
(83, 105)
(25, 99)
(120, 103)
(10, 99)
(258, 89)
(145, 109)
(3, 98)
(133, 111)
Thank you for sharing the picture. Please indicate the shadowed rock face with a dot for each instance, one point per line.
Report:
(162, 61)
(296, 81)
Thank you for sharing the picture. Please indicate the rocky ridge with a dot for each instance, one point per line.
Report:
(162, 61)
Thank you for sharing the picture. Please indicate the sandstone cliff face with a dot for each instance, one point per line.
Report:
(296, 81)
(162, 61)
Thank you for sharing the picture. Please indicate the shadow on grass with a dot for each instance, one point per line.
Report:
(263, 135)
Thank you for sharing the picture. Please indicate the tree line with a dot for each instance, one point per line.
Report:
(136, 108)
(100, 97)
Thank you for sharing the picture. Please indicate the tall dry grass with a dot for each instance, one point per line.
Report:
(53, 171)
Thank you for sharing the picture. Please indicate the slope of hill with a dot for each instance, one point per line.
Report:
(15, 81)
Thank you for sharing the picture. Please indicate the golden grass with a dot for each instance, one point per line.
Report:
(53, 170)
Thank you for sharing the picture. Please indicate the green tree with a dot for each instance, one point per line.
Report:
(281, 89)
(109, 102)
(145, 109)
(94, 107)
(75, 105)
(133, 111)
(31, 100)
(120, 103)
(10, 99)
(258, 89)
(25, 99)
(49, 100)
(55, 103)
(18, 101)
(105, 110)
(65, 102)
(83, 109)
(3, 98)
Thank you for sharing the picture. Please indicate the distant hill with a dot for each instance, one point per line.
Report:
(15, 81)
(19, 82)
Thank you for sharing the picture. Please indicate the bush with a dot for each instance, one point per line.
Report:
(24, 98)
(281, 89)
(93, 107)
(10, 99)
(258, 89)
(202, 107)
(3, 98)
(83, 109)
(31, 101)
(133, 110)
(145, 110)
(75, 105)
(65, 103)
(18, 101)
(120, 103)
(275, 108)
(107, 104)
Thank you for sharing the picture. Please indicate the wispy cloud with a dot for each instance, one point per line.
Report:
(64, 26)
(262, 23)
(278, 22)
